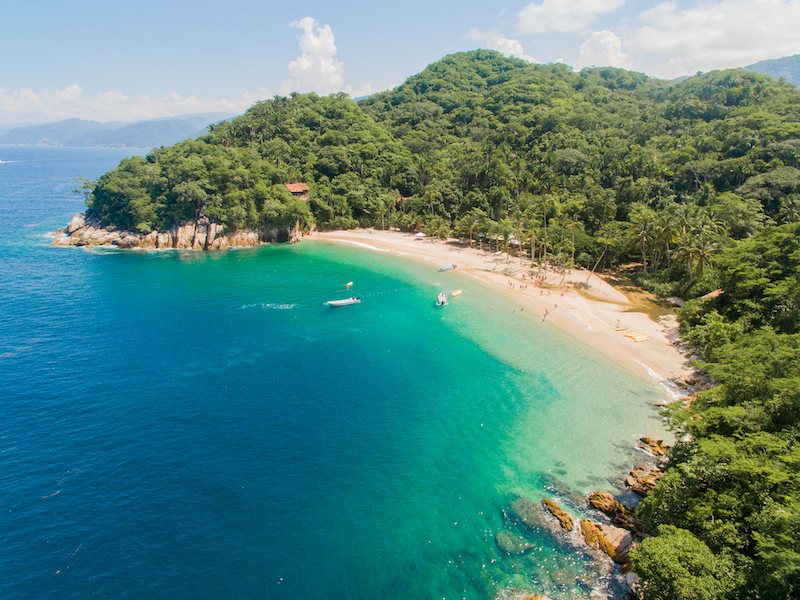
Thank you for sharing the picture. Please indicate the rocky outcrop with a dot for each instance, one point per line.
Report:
(563, 518)
(693, 382)
(87, 229)
(620, 515)
(643, 478)
(653, 445)
(614, 541)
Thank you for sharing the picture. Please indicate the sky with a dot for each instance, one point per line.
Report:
(131, 61)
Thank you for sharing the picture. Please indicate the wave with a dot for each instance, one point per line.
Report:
(361, 245)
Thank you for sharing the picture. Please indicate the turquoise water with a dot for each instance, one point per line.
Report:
(200, 425)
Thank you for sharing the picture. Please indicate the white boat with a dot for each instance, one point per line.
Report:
(442, 300)
(447, 268)
(345, 302)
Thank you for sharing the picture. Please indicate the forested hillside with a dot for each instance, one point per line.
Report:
(696, 182)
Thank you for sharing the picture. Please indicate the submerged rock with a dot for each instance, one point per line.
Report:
(512, 544)
(527, 513)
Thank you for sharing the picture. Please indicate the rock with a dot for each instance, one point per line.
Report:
(77, 222)
(614, 541)
(620, 515)
(512, 544)
(633, 581)
(527, 513)
(563, 518)
(87, 229)
(653, 445)
(643, 478)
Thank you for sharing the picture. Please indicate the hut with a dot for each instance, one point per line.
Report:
(298, 190)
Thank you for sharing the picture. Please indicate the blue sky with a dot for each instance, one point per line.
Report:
(129, 61)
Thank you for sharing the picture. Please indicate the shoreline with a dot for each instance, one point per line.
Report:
(594, 313)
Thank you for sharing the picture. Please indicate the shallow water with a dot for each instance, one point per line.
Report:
(200, 425)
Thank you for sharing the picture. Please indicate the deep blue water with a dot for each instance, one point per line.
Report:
(183, 424)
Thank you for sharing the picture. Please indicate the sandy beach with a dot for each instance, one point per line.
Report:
(593, 311)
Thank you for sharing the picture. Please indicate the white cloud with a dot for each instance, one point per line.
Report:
(603, 49)
(728, 33)
(494, 40)
(316, 69)
(563, 15)
(364, 90)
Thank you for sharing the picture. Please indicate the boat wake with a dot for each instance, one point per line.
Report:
(269, 306)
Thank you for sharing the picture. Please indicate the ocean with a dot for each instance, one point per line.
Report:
(181, 424)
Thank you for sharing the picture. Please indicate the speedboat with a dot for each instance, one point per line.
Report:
(447, 268)
(442, 299)
(345, 302)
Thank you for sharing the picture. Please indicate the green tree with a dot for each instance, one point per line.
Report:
(675, 565)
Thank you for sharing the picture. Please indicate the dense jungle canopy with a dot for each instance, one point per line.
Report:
(697, 182)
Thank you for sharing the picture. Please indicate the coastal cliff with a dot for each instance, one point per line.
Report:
(87, 229)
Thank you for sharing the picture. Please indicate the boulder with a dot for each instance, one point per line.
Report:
(614, 541)
(563, 518)
(653, 445)
(634, 582)
(77, 222)
(643, 478)
(620, 515)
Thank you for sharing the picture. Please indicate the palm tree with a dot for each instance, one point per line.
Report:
(790, 208)
(470, 222)
(665, 231)
(608, 238)
(698, 246)
(572, 222)
(438, 227)
(641, 232)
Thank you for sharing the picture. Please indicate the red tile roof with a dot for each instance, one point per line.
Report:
(296, 188)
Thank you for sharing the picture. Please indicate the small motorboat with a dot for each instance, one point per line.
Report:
(442, 299)
(447, 268)
(345, 302)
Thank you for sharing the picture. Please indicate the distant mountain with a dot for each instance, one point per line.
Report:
(787, 67)
(147, 134)
(50, 134)
(143, 134)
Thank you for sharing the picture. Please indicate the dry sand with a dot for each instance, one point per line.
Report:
(593, 311)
